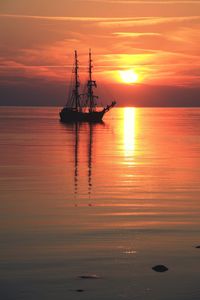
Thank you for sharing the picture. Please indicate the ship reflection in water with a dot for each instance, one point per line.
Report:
(82, 153)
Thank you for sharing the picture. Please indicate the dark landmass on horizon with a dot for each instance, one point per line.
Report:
(139, 95)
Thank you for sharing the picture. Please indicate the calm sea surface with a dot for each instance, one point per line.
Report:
(111, 200)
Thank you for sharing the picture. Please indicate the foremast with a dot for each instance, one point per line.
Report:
(76, 100)
(91, 83)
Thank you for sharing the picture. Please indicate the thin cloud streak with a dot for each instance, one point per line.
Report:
(107, 20)
(58, 18)
(135, 34)
(148, 21)
(35, 66)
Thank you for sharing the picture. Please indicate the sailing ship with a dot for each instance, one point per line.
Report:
(83, 107)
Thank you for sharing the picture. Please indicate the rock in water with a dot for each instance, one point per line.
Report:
(160, 268)
(197, 247)
(80, 290)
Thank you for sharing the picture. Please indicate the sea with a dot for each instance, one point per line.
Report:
(87, 210)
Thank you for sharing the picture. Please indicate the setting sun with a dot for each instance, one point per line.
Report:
(128, 76)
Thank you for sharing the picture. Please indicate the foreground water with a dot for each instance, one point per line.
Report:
(111, 200)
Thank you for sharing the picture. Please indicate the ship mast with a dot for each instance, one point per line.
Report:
(90, 85)
(77, 83)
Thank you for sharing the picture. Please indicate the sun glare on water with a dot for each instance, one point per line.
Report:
(128, 76)
(129, 131)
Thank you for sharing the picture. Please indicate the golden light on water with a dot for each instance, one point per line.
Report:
(128, 76)
(129, 131)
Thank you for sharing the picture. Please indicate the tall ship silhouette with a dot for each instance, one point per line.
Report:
(83, 107)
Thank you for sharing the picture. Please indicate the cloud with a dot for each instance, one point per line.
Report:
(59, 18)
(108, 20)
(146, 21)
(46, 52)
(136, 34)
(16, 73)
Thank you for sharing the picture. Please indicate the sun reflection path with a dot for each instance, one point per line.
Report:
(129, 131)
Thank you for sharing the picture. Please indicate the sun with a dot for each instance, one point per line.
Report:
(128, 76)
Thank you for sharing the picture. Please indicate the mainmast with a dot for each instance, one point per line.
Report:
(77, 83)
(90, 85)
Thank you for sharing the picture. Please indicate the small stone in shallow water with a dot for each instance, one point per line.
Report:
(79, 290)
(160, 268)
(197, 247)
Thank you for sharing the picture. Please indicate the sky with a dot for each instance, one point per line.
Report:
(158, 39)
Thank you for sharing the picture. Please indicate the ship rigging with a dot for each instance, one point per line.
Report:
(78, 110)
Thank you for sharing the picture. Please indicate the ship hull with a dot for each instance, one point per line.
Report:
(68, 116)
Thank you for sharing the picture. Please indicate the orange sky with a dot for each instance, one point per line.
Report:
(158, 39)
